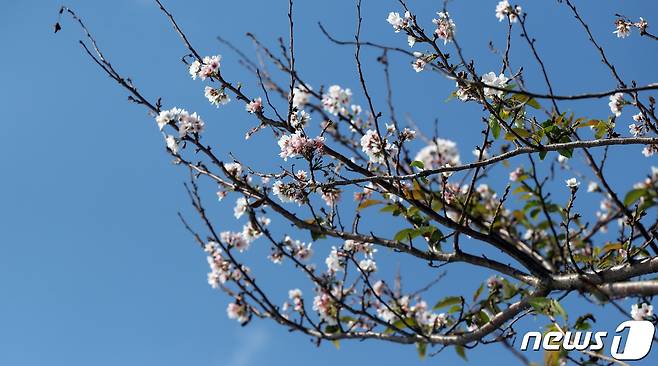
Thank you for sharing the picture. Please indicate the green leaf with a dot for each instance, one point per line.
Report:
(540, 303)
(448, 301)
(633, 195)
(422, 349)
(495, 126)
(478, 292)
(461, 352)
(336, 344)
(367, 203)
(418, 164)
(331, 329)
(521, 132)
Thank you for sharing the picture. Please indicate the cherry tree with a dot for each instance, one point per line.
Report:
(339, 158)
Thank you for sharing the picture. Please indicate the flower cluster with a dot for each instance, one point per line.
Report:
(289, 192)
(445, 27)
(295, 295)
(238, 311)
(216, 96)
(187, 123)
(641, 312)
(209, 67)
(299, 145)
(572, 183)
(301, 96)
(438, 154)
(491, 79)
(298, 249)
(336, 100)
(397, 21)
(255, 106)
(221, 269)
(326, 307)
(504, 9)
(616, 103)
(639, 128)
(623, 27)
(299, 120)
(375, 148)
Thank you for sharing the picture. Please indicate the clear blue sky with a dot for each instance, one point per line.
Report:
(94, 266)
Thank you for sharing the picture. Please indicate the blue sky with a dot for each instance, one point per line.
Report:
(94, 265)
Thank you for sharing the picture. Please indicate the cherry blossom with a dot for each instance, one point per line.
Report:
(299, 145)
(235, 240)
(326, 308)
(238, 312)
(397, 21)
(240, 208)
(516, 174)
(301, 96)
(172, 145)
(504, 9)
(439, 153)
(491, 79)
(419, 64)
(336, 99)
(255, 106)
(445, 27)
(296, 296)
(210, 66)
(216, 96)
(641, 312)
(616, 103)
(572, 183)
(375, 148)
(623, 28)
(288, 192)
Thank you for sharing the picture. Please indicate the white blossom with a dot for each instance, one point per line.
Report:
(210, 66)
(411, 40)
(419, 64)
(240, 208)
(301, 96)
(649, 150)
(287, 192)
(504, 9)
(172, 145)
(190, 123)
(216, 96)
(439, 153)
(194, 69)
(334, 261)
(616, 103)
(641, 312)
(255, 106)
(296, 296)
(397, 21)
(235, 240)
(374, 147)
(593, 187)
(324, 305)
(368, 265)
(445, 27)
(234, 169)
(299, 145)
(623, 28)
(572, 183)
(491, 79)
(336, 99)
(238, 312)
(516, 174)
